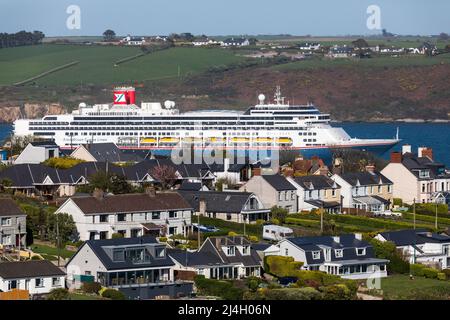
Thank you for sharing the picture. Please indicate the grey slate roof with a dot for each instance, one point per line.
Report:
(29, 269)
(99, 247)
(190, 186)
(225, 202)
(195, 259)
(46, 143)
(365, 178)
(9, 208)
(414, 237)
(109, 152)
(317, 182)
(415, 164)
(278, 182)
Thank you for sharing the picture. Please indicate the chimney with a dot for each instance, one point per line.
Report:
(323, 171)
(396, 157)
(337, 239)
(226, 164)
(406, 148)
(202, 207)
(370, 168)
(98, 194)
(256, 171)
(427, 152)
(150, 191)
(217, 242)
(358, 236)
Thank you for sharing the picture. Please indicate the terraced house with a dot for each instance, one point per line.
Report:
(12, 224)
(132, 215)
(368, 191)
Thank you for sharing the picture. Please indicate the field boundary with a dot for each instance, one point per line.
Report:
(43, 74)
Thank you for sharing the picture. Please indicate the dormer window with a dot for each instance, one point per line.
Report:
(316, 255)
(360, 251)
(160, 252)
(424, 174)
(230, 251)
(119, 255)
(245, 250)
(339, 253)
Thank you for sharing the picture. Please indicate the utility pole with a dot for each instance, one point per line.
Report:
(321, 219)
(57, 240)
(198, 230)
(414, 212)
(436, 220)
(245, 219)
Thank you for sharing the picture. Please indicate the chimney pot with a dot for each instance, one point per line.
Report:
(151, 191)
(396, 157)
(358, 236)
(337, 239)
(202, 207)
(406, 148)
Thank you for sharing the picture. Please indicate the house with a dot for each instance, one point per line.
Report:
(138, 267)
(105, 152)
(309, 46)
(273, 190)
(235, 42)
(13, 229)
(36, 276)
(228, 257)
(305, 167)
(346, 255)
(340, 52)
(420, 246)
(369, 191)
(317, 191)
(133, 41)
(204, 41)
(417, 177)
(132, 215)
(37, 152)
(228, 205)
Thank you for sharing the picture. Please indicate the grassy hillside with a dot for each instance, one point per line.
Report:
(96, 64)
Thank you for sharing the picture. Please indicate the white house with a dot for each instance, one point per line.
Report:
(132, 215)
(235, 42)
(36, 276)
(420, 246)
(133, 41)
(347, 255)
(37, 152)
(204, 41)
(312, 46)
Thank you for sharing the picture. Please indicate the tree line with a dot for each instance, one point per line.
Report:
(21, 38)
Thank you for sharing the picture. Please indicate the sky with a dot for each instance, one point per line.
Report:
(224, 17)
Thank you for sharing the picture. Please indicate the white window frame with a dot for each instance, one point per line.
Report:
(339, 253)
(363, 251)
(316, 255)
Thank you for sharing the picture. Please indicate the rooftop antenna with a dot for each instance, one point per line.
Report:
(396, 136)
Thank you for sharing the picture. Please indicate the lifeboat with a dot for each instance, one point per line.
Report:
(240, 139)
(148, 140)
(264, 140)
(168, 140)
(284, 140)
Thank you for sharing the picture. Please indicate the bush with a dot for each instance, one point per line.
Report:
(293, 294)
(417, 269)
(113, 294)
(430, 273)
(441, 276)
(397, 202)
(446, 272)
(218, 288)
(275, 221)
(253, 283)
(337, 292)
(232, 234)
(162, 239)
(58, 294)
(279, 213)
(303, 222)
(253, 238)
(36, 257)
(260, 221)
(282, 266)
(91, 287)
(116, 236)
(388, 250)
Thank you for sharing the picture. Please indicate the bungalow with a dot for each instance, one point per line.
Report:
(235, 42)
(132, 215)
(273, 190)
(420, 246)
(312, 46)
(369, 191)
(36, 276)
(417, 177)
(12, 224)
(105, 152)
(228, 257)
(317, 191)
(133, 41)
(204, 41)
(347, 255)
(228, 205)
(138, 267)
(37, 152)
(340, 52)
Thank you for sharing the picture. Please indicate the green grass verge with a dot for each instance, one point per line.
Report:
(51, 251)
(431, 219)
(402, 287)
(226, 226)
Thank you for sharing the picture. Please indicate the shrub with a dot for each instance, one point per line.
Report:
(275, 221)
(397, 202)
(36, 257)
(113, 294)
(282, 266)
(337, 292)
(218, 288)
(260, 221)
(279, 213)
(253, 238)
(303, 222)
(446, 272)
(293, 294)
(417, 269)
(253, 283)
(162, 239)
(91, 287)
(430, 273)
(58, 294)
(441, 276)
(388, 250)
(232, 234)
(116, 236)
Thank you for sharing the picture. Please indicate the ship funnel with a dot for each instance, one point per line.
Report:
(124, 96)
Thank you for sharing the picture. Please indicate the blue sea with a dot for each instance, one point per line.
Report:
(434, 135)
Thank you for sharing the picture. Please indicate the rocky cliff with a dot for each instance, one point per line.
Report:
(11, 112)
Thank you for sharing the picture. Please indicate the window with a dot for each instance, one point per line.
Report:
(12, 284)
(245, 250)
(104, 218)
(286, 195)
(121, 217)
(379, 189)
(360, 251)
(230, 251)
(339, 253)
(292, 195)
(316, 255)
(280, 196)
(103, 235)
(286, 252)
(160, 252)
(172, 214)
(156, 215)
(390, 188)
(333, 192)
(118, 255)
(56, 282)
(6, 221)
(39, 283)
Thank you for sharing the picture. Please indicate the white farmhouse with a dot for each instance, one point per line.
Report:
(37, 152)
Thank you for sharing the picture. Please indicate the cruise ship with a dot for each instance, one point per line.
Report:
(273, 125)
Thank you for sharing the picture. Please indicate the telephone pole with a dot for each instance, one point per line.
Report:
(414, 212)
(321, 219)
(57, 240)
(436, 219)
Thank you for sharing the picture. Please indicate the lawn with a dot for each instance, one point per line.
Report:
(401, 287)
(96, 63)
(84, 296)
(48, 251)
(226, 226)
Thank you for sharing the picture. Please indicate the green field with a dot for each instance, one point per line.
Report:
(48, 252)
(401, 287)
(96, 63)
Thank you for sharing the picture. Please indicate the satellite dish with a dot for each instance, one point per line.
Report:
(261, 98)
(82, 105)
